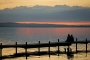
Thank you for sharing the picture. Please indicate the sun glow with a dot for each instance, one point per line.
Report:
(57, 23)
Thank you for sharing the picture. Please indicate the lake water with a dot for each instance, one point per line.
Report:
(10, 35)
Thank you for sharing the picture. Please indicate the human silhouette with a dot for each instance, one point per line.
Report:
(70, 38)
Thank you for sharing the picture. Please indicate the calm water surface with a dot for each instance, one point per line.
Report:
(10, 35)
(22, 35)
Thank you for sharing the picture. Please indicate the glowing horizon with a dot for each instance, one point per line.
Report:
(65, 23)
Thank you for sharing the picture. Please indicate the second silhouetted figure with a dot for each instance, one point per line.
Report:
(70, 38)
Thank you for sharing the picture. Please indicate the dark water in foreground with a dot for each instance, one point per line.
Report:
(33, 35)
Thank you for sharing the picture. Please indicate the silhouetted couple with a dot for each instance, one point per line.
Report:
(70, 38)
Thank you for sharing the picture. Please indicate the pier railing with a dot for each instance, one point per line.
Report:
(41, 45)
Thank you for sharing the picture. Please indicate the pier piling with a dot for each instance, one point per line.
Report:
(86, 47)
(76, 45)
(58, 47)
(16, 48)
(49, 49)
(1, 51)
(39, 49)
(26, 50)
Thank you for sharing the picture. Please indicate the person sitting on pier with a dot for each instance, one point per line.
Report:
(70, 38)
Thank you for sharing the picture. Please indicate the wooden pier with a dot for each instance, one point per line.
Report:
(41, 45)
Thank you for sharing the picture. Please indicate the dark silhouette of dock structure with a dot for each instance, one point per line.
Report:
(39, 45)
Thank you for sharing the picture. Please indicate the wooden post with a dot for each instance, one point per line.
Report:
(58, 47)
(68, 49)
(1, 51)
(76, 45)
(49, 49)
(39, 48)
(16, 48)
(86, 47)
(65, 50)
(26, 50)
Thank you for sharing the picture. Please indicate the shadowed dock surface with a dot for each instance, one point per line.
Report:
(52, 44)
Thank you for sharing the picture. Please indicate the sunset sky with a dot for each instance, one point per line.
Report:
(13, 3)
(45, 11)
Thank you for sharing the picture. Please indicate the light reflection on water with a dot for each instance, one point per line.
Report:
(33, 35)
(30, 35)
